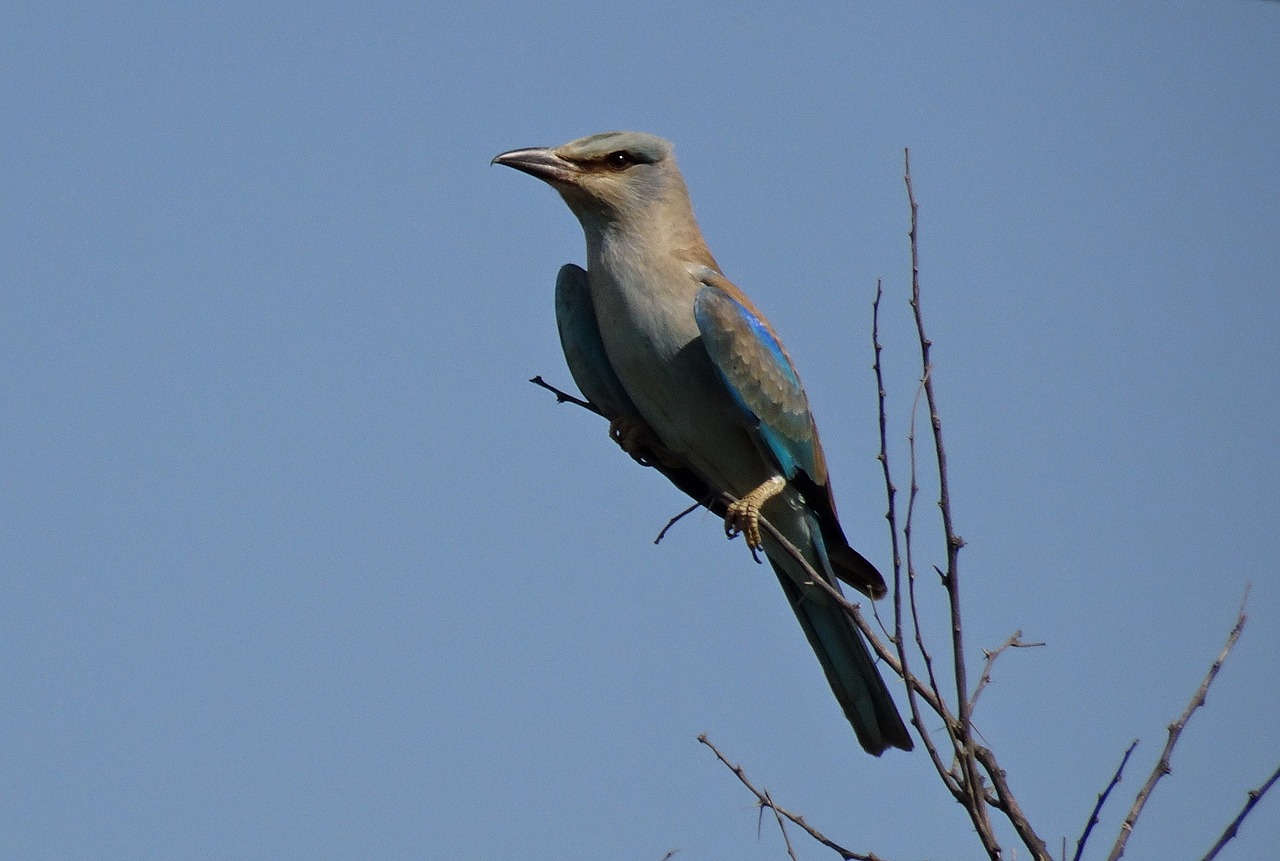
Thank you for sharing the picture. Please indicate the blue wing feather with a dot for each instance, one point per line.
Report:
(758, 374)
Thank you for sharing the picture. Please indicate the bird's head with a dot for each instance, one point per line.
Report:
(606, 178)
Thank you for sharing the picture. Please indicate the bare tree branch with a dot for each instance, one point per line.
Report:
(1255, 795)
(1175, 732)
(968, 752)
(673, 521)
(951, 780)
(763, 799)
(952, 577)
(1014, 642)
(782, 825)
(565, 397)
(1102, 799)
(891, 515)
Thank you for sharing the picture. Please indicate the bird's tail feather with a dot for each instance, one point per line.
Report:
(846, 660)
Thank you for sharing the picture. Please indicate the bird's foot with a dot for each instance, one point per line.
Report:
(629, 433)
(743, 516)
(638, 440)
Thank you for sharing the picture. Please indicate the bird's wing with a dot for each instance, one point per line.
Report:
(583, 347)
(762, 381)
(759, 376)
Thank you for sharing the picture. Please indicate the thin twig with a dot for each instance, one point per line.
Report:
(891, 492)
(1102, 799)
(949, 778)
(672, 522)
(1175, 732)
(782, 825)
(891, 515)
(564, 397)
(762, 798)
(1014, 642)
(908, 531)
(1255, 795)
(968, 752)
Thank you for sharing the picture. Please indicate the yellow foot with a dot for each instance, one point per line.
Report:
(744, 515)
(638, 440)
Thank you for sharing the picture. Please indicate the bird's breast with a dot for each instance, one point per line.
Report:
(651, 337)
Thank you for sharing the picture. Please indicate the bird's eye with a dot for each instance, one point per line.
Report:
(620, 160)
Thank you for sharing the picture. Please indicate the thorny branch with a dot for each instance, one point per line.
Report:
(891, 516)
(782, 826)
(763, 799)
(1102, 799)
(961, 734)
(1175, 732)
(1014, 642)
(1254, 796)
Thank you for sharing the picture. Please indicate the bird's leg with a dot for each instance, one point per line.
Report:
(638, 440)
(744, 515)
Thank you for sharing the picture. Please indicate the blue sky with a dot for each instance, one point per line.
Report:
(297, 565)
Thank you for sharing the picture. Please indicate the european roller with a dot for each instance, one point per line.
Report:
(694, 380)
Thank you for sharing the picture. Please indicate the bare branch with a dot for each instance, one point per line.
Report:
(782, 825)
(1004, 799)
(909, 533)
(951, 780)
(1175, 732)
(673, 521)
(962, 732)
(891, 515)
(1102, 799)
(1008, 804)
(1255, 795)
(564, 397)
(763, 799)
(1014, 642)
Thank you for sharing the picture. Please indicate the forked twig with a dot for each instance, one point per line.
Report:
(968, 752)
(891, 515)
(782, 825)
(763, 799)
(1014, 642)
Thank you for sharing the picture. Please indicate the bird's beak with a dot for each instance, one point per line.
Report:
(542, 163)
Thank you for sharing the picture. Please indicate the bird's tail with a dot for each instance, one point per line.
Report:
(846, 660)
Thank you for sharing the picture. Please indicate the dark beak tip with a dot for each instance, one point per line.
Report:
(538, 162)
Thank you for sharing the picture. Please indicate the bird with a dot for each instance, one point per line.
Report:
(695, 382)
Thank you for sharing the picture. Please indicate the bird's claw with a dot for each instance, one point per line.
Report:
(743, 516)
(638, 440)
(628, 432)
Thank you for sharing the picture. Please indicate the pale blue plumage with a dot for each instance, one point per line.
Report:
(695, 382)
